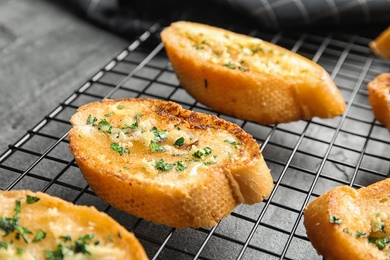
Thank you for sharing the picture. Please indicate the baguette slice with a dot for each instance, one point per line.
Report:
(166, 164)
(247, 77)
(345, 223)
(379, 97)
(46, 227)
(381, 45)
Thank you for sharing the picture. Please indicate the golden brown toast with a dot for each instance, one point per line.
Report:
(158, 161)
(381, 45)
(247, 77)
(379, 97)
(345, 223)
(41, 226)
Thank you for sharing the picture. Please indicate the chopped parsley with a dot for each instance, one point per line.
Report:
(81, 244)
(39, 236)
(3, 245)
(234, 143)
(202, 153)
(380, 243)
(119, 149)
(180, 166)
(155, 147)
(11, 224)
(209, 163)
(132, 126)
(19, 251)
(179, 142)
(55, 255)
(31, 199)
(360, 234)
(109, 114)
(159, 136)
(335, 220)
(104, 126)
(121, 106)
(230, 65)
(91, 120)
(18, 207)
(162, 166)
(66, 238)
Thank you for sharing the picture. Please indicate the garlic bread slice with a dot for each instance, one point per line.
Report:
(156, 160)
(249, 78)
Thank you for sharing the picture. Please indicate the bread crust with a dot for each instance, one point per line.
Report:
(340, 222)
(58, 219)
(379, 98)
(197, 198)
(381, 45)
(274, 86)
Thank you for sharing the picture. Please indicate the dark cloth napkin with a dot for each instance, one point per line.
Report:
(132, 17)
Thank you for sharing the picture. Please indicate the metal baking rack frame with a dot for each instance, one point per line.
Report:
(307, 158)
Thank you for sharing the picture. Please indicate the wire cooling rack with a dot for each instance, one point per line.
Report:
(307, 158)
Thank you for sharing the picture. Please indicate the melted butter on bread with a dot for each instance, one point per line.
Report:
(156, 160)
(51, 228)
(135, 130)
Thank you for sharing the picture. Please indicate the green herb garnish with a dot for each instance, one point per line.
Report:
(380, 243)
(31, 199)
(159, 136)
(39, 236)
(230, 65)
(104, 126)
(66, 238)
(232, 143)
(82, 243)
(91, 120)
(335, 220)
(155, 147)
(180, 166)
(121, 106)
(198, 154)
(179, 142)
(360, 234)
(162, 166)
(11, 224)
(3, 245)
(55, 255)
(19, 251)
(119, 149)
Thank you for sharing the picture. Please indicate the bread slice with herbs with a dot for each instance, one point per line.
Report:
(35, 225)
(379, 98)
(249, 78)
(156, 160)
(345, 223)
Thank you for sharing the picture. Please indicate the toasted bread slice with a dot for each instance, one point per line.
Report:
(247, 77)
(379, 97)
(158, 161)
(345, 223)
(381, 45)
(41, 226)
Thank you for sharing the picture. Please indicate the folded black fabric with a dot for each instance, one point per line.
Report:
(131, 17)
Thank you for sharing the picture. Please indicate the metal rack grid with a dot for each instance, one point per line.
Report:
(306, 158)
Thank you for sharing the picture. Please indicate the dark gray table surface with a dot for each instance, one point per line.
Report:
(46, 53)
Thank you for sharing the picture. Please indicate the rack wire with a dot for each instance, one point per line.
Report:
(307, 158)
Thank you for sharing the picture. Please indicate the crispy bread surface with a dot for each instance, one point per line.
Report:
(41, 226)
(381, 45)
(247, 77)
(173, 167)
(379, 97)
(345, 223)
